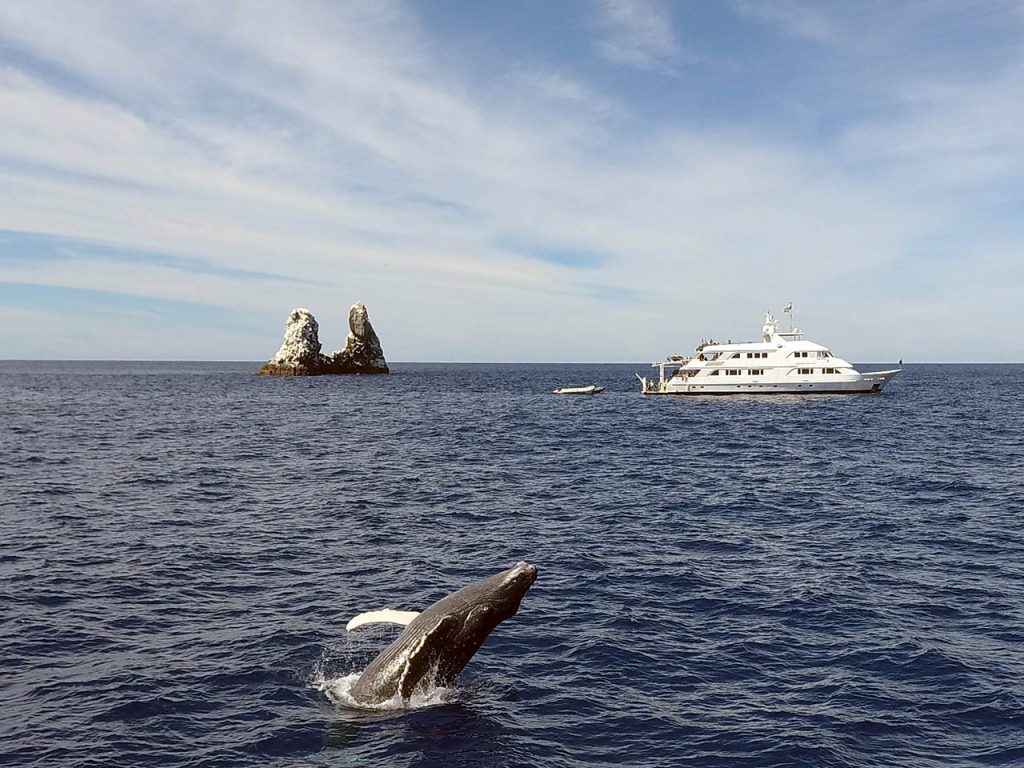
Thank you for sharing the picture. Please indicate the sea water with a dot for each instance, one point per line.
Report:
(740, 581)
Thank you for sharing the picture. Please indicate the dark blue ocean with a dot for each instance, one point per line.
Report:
(806, 581)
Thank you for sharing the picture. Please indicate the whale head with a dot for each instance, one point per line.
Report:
(497, 598)
(474, 611)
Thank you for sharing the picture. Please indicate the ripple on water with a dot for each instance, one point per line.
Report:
(818, 581)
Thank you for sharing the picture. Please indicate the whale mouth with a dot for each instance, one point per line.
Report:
(525, 571)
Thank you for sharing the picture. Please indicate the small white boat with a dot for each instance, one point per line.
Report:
(593, 389)
(780, 362)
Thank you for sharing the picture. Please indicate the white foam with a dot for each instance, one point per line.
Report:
(337, 690)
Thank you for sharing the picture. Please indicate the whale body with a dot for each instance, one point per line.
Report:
(437, 643)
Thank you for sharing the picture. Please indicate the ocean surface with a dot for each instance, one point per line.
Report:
(783, 581)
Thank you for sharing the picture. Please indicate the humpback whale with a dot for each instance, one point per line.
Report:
(437, 643)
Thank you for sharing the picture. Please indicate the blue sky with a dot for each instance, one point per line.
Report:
(511, 181)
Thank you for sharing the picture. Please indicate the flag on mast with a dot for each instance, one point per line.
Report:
(788, 307)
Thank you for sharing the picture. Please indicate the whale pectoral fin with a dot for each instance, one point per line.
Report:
(426, 652)
(386, 616)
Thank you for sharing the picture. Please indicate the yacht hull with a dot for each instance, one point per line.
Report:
(865, 383)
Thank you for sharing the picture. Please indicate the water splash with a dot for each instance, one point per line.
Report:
(338, 691)
(328, 678)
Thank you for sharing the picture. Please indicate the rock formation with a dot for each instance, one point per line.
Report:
(362, 352)
(299, 354)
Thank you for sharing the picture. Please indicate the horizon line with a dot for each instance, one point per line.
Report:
(462, 362)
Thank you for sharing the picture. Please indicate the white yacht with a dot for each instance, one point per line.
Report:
(782, 362)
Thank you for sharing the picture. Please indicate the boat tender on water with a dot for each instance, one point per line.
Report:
(782, 362)
(593, 389)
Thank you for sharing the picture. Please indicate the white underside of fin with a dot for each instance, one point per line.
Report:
(386, 616)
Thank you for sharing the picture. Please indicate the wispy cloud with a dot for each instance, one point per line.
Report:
(639, 33)
(808, 21)
(34, 248)
(559, 255)
(205, 152)
(958, 134)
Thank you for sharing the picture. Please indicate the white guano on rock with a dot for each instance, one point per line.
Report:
(300, 355)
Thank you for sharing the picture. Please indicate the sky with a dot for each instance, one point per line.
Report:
(609, 180)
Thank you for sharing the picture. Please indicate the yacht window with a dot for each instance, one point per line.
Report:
(732, 373)
(714, 372)
(757, 371)
(735, 355)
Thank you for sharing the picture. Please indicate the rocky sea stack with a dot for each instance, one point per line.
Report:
(300, 355)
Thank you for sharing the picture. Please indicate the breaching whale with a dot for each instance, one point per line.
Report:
(437, 643)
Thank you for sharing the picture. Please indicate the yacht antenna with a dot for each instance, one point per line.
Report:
(788, 309)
